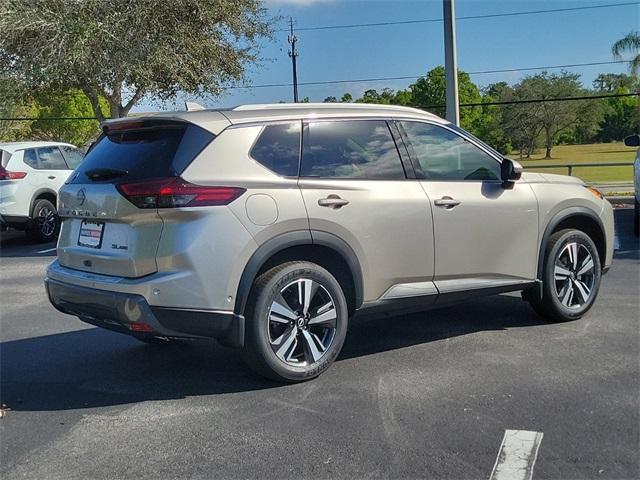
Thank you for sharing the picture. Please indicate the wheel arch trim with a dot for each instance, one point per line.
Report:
(292, 239)
(556, 220)
(38, 195)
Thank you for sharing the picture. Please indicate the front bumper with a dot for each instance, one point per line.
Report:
(131, 314)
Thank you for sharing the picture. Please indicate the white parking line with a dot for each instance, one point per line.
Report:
(517, 455)
(48, 250)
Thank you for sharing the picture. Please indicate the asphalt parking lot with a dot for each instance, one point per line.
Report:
(428, 395)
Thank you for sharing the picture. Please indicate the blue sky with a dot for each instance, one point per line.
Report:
(407, 50)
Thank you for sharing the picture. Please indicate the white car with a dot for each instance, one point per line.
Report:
(31, 173)
(634, 141)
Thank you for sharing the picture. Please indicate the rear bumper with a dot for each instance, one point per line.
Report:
(131, 314)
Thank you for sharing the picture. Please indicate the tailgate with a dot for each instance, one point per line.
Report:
(102, 232)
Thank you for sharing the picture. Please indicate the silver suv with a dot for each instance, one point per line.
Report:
(268, 227)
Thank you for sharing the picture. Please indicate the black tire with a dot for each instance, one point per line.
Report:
(636, 218)
(44, 225)
(556, 303)
(269, 349)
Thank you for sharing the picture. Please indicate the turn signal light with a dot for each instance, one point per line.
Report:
(174, 192)
(595, 191)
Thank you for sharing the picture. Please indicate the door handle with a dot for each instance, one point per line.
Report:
(333, 201)
(446, 202)
(51, 177)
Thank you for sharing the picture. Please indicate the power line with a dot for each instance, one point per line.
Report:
(413, 77)
(468, 17)
(536, 100)
(476, 104)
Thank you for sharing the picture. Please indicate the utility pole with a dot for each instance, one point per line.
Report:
(451, 61)
(293, 53)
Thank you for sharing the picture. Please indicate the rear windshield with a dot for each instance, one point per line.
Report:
(147, 149)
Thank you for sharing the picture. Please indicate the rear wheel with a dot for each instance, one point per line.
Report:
(571, 277)
(296, 322)
(45, 223)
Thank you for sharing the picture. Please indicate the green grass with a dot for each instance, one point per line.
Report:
(592, 153)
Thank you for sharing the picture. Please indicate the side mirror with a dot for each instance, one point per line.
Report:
(632, 141)
(510, 170)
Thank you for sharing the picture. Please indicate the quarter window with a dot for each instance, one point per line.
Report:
(278, 148)
(444, 155)
(359, 149)
(30, 157)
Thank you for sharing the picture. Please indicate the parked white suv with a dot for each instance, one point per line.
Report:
(31, 173)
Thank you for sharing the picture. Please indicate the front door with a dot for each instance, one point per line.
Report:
(486, 233)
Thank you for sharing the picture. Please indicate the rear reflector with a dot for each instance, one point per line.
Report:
(174, 192)
(5, 175)
(141, 327)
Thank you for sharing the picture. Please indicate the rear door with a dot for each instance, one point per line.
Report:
(53, 168)
(355, 187)
(109, 206)
(485, 234)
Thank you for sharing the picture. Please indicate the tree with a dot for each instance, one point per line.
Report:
(122, 50)
(631, 44)
(70, 103)
(330, 100)
(346, 98)
(14, 104)
(430, 90)
(527, 121)
(489, 124)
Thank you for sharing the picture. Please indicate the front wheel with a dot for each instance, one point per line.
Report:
(296, 322)
(571, 277)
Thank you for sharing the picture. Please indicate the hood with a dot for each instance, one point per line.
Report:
(553, 178)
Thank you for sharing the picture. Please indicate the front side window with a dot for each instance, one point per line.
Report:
(354, 149)
(278, 148)
(73, 156)
(50, 158)
(444, 155)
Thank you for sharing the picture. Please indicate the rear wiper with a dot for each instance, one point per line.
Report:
(105, 173)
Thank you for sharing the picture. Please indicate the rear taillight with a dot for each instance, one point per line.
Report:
(5, 175)
(175, 192)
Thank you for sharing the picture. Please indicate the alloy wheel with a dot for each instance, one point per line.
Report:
(574, 275)
(302, 322)
(46, 220)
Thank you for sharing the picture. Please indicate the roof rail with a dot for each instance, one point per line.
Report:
(290, 106)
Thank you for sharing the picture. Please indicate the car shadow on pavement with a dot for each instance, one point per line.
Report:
(94, 367)
(14, 243)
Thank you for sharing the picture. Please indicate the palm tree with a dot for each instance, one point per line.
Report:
(630, 43)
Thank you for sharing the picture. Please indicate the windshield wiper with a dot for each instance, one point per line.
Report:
(105, 173)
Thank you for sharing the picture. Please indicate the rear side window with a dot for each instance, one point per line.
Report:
(278, 148)
(50, 158)
(146, 149)
(355, 149)
(73, 156)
